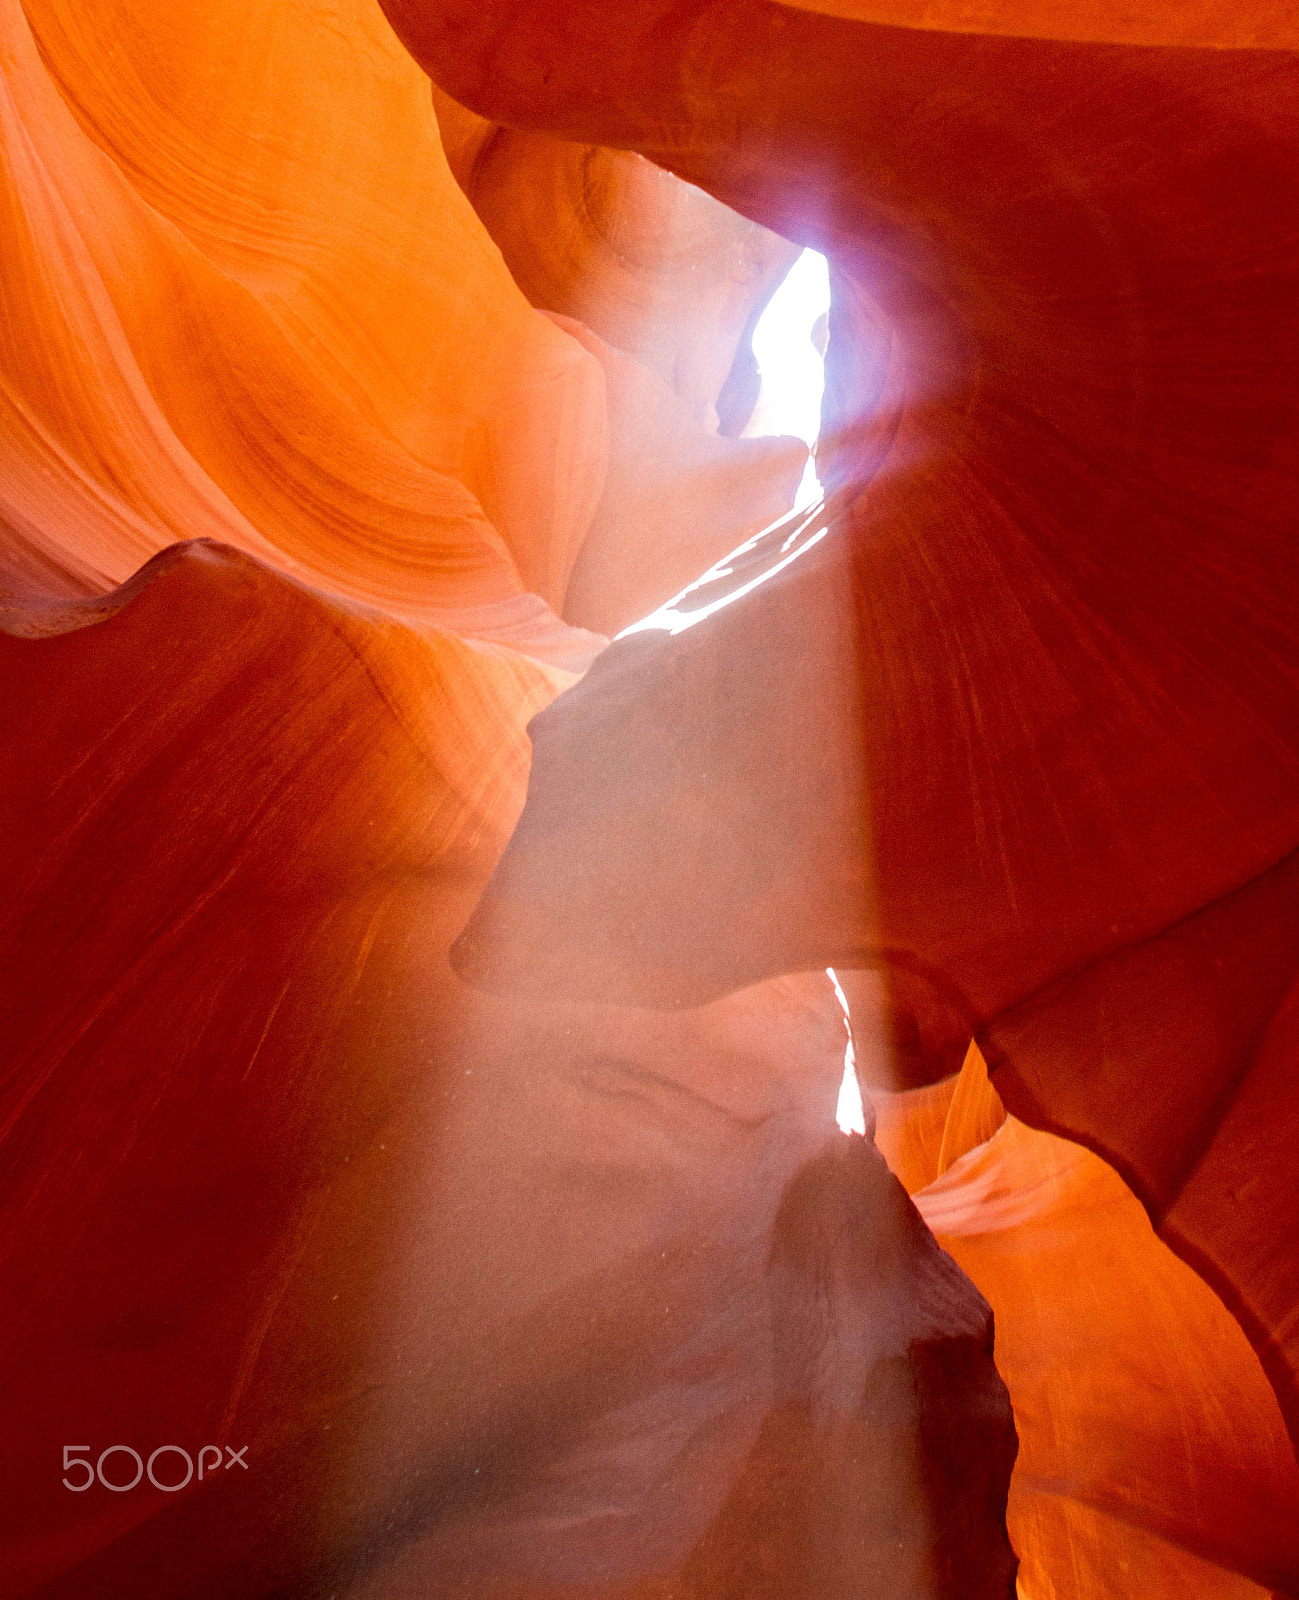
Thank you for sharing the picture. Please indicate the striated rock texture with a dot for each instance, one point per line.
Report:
(226, 316)
(1115, 1354)
(268, 315)
(333, 415)
(663, 284)
(1024, 726)
(502, 1298)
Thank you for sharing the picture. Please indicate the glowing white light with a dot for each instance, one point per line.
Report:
(669, 619)
(850, 1113)
(792, 379)
(791, 367)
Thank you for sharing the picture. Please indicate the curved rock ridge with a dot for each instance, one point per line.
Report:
(501, 1298)
(664, 286)
(332, 418)
(1211, 24)
(285, 328)
(1025, 724)
(1092, 1310)
(218, 333)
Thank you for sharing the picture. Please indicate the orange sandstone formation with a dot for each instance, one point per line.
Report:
(1025, 725)
(663, 285)
(502, 1298)
(229, 316)
(332, 415)
(1115, 1354)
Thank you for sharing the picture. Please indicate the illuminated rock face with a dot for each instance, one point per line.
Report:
(1093, 1311)
(501, 1297)
(661, 283)
(341, 390)
(1037, 744)
(533, 1297)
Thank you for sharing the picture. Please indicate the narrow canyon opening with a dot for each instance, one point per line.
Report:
(789, 346)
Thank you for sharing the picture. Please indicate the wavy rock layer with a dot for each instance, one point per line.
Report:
(1093, 1311)
(1025, 725)
(557, 1299)
(240, 325)
(267, 315)
(664, 286)
(503, 1299)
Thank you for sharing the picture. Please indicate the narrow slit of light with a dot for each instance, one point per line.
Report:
(791, 368)
(850, 1113)
(791, 374)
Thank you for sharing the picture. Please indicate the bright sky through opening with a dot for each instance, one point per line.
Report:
(791, 365)
(791, 370)
(850, 1113)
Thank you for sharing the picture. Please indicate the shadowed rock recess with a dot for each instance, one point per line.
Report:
(419, 1175)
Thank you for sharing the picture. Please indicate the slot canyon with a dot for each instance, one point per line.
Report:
(649, 683)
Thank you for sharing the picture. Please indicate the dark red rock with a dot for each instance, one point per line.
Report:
(1033, 704)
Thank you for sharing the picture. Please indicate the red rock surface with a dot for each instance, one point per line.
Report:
(1115, 1354)
(332, 415)
(503, 1298)
(1031, 734)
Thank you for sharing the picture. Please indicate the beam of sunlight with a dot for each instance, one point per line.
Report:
(669, 618)
(850, 1113)
(789, 344)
